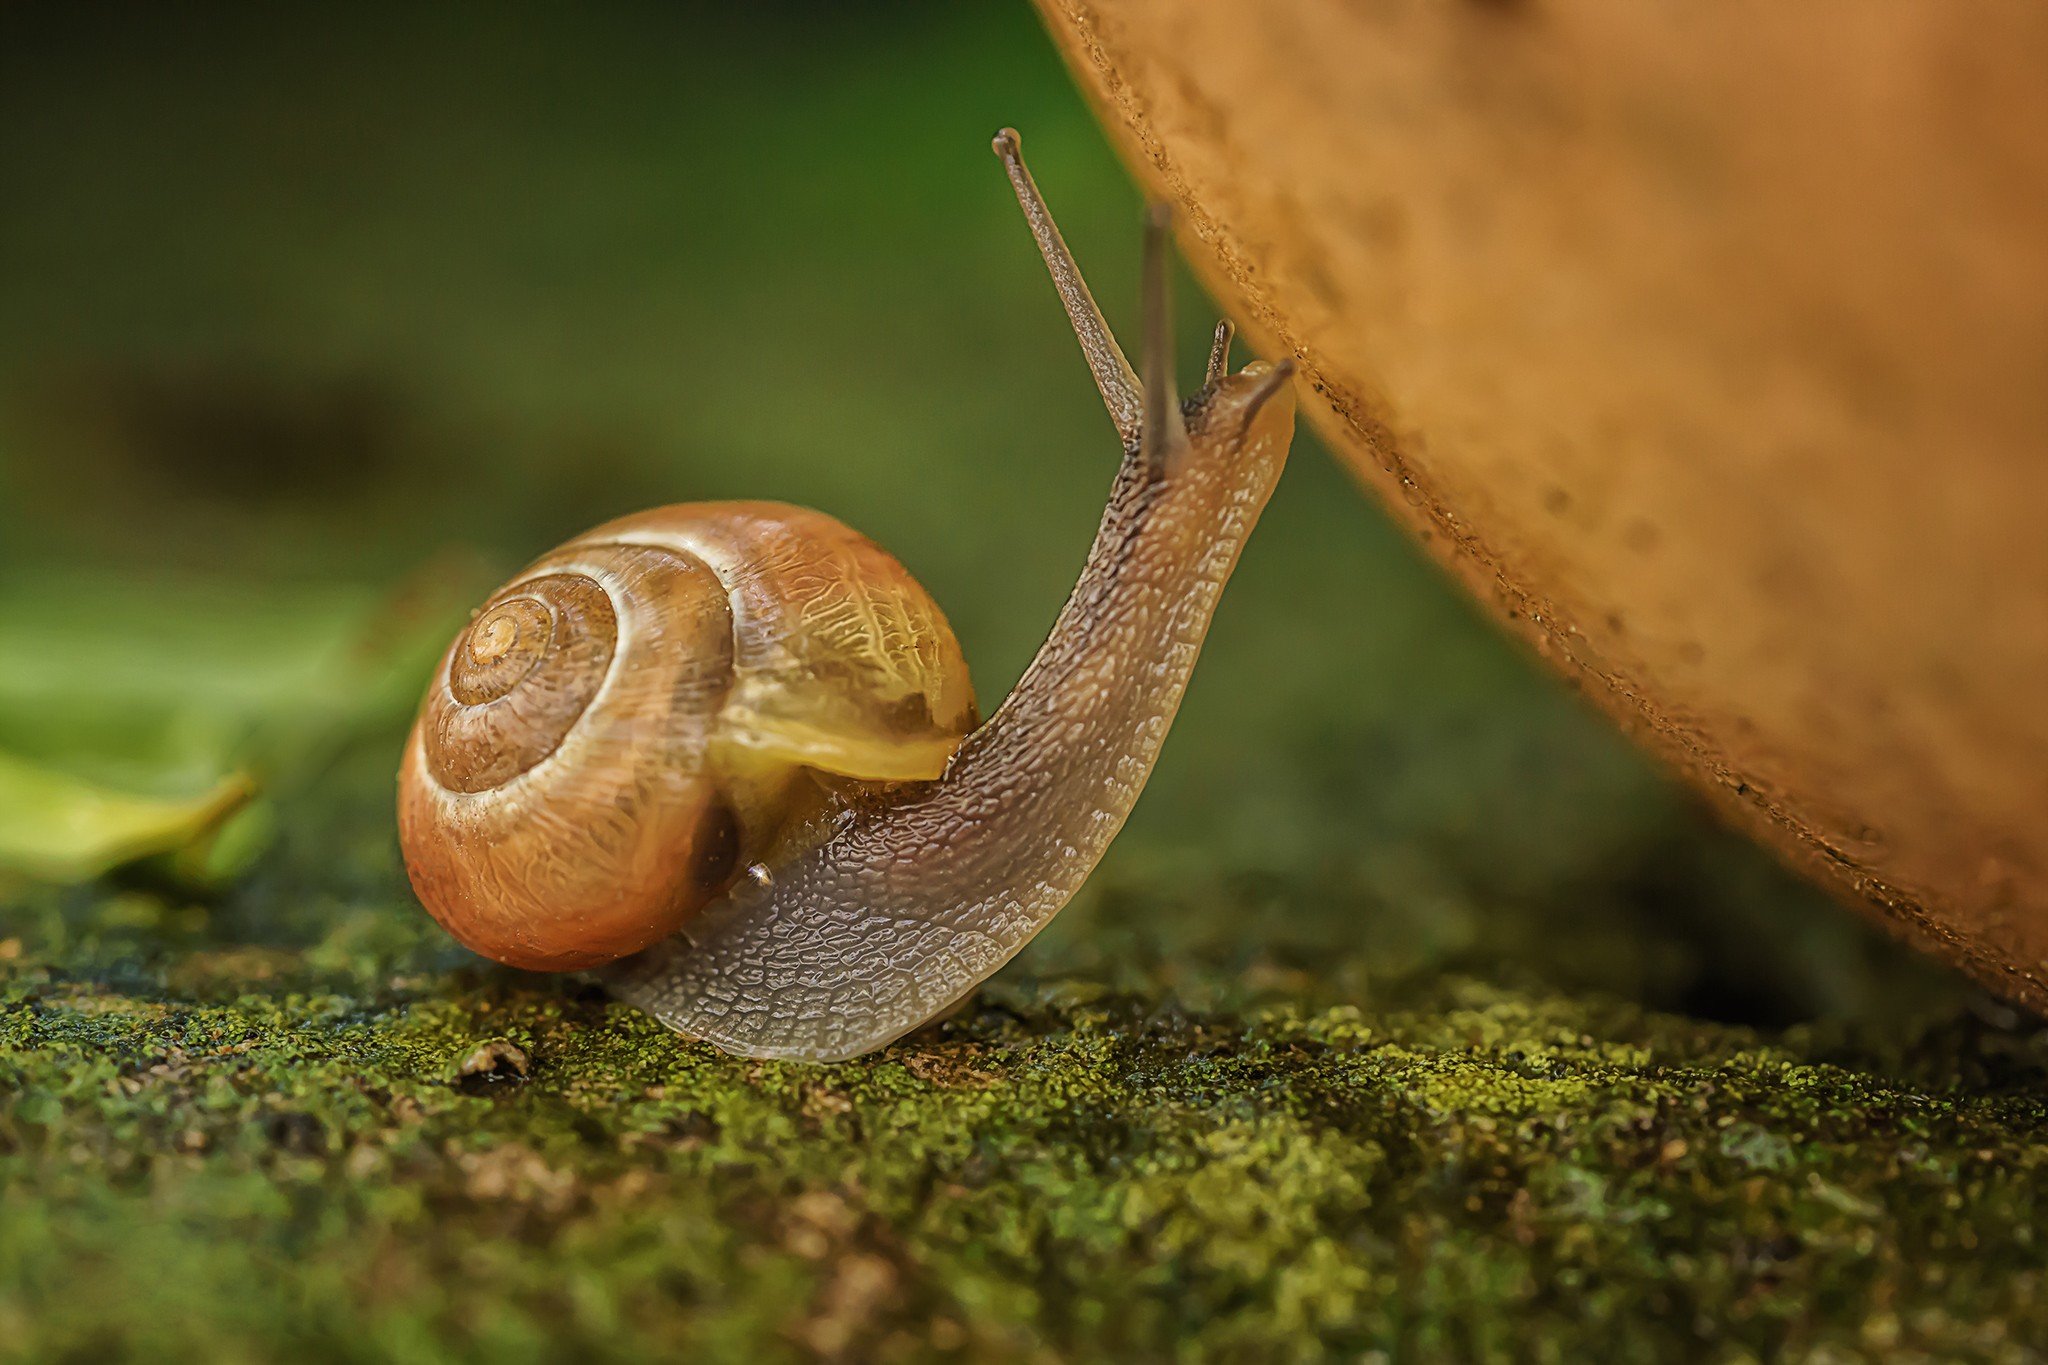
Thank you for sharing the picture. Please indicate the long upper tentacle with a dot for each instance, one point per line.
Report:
(1113, 374)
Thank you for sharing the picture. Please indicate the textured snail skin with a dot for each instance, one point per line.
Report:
(917, 895)
(635, 718)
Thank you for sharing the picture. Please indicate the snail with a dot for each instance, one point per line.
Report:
(728, 756)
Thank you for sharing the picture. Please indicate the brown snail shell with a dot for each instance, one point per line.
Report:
(634, 719)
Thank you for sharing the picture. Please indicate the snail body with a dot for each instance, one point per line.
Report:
(731, 749)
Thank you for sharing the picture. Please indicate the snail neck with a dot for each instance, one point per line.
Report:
(1077, 738)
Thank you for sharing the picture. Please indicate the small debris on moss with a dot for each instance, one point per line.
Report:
(493, 1063)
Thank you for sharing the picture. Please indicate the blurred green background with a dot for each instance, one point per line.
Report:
(311, 330)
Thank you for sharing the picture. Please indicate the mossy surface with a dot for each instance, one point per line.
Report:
(328, 1135)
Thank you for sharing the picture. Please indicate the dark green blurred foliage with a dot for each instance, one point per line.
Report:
(312, 327)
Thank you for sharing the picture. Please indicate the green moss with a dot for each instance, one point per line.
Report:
(1215, 1114)
(265, 1159)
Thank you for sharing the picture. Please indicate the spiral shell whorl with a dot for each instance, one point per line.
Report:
(518, 679)
(558, 810)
